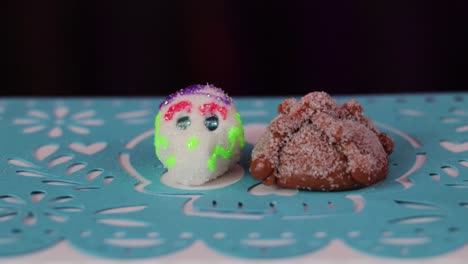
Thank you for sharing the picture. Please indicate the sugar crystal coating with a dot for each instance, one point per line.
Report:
(317, 144)
(198, 134)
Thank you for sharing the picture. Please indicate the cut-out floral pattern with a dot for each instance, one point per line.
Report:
(136, 117)
(84, 192)
(38, 207)
(58, 121)
(61, 169)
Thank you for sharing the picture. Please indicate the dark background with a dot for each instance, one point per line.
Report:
(152, 47)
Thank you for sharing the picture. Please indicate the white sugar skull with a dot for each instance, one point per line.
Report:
(198, 134)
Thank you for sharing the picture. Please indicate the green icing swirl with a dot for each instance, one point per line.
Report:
(192, 143)
(236, 133)
(161, 142)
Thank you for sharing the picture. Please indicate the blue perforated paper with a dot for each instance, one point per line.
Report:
(85, 171)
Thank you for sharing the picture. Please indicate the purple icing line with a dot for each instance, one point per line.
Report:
(198, 90)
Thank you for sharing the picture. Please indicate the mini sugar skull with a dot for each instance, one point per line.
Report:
(198, 134)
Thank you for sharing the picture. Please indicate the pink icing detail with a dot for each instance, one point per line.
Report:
(212, 107)
(180, 106)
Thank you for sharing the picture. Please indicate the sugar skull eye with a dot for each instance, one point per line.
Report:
(211, 123)
(183, 122)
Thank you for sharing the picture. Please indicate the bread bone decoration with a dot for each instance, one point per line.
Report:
(317, 144)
